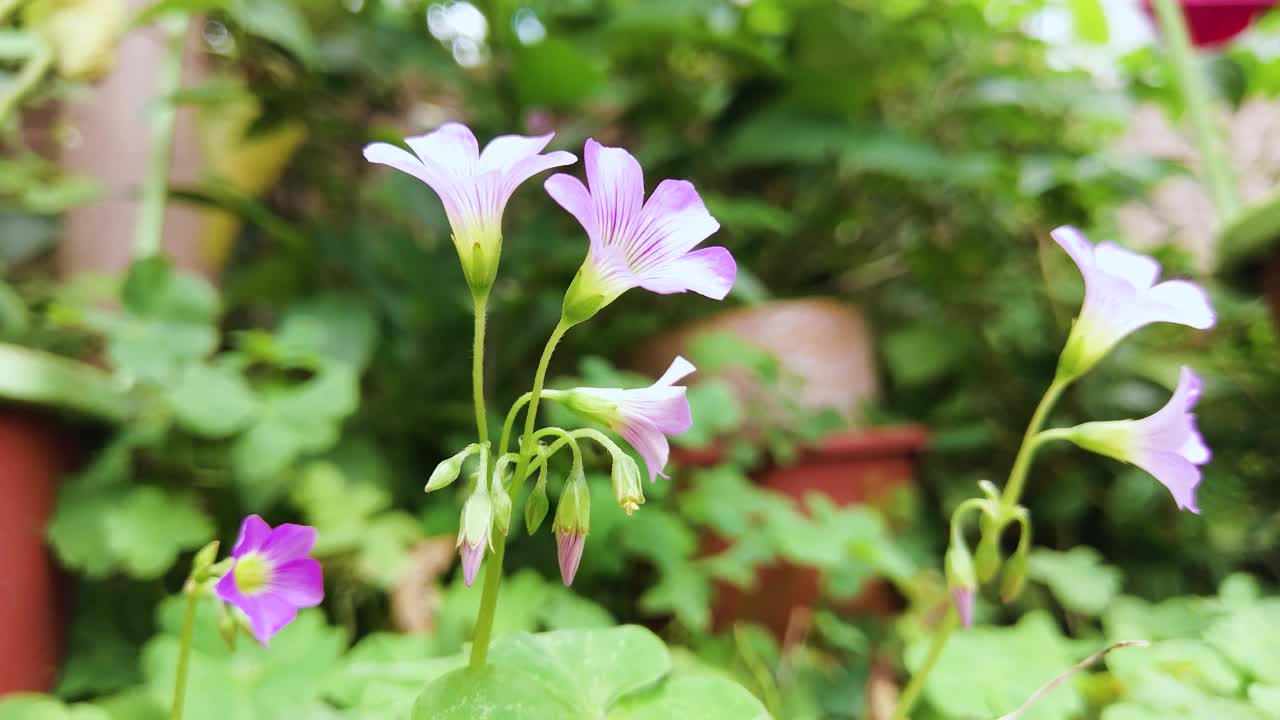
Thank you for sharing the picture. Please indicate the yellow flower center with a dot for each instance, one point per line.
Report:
(252, 573)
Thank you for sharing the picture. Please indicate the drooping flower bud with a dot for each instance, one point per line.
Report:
(449, 468)
(474, 533)
(536, 506)
(986, 560)
(1015, 576)
(501, 511)
(960, 581)
(572, 523)
(627, 487)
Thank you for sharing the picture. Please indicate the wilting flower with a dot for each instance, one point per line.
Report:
(636, 243)
(272, 576)
(1121, 295)
(1165, 444)
(571, 524)
(474, 186)
(644, 416)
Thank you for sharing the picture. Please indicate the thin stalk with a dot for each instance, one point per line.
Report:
(911, 694)
(1195, 95)
(509, 423)
(493, 569)
(155, 186)
(477, 372)
(184, 652)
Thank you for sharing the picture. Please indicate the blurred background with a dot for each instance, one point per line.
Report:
(886, 174)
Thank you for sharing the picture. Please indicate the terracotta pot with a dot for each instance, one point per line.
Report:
(852, 467)
(31, 612)
(1214, 22)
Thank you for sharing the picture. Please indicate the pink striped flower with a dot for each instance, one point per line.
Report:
(635, 243)
(1122, 295)
(474, 186)
(1165, 444)
(272, 576)
(644, 417)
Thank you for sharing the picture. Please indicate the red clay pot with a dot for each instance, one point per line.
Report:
(32, 457)
(1214, 22)
(851, 467)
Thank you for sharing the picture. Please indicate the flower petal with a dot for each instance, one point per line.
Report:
(569, 192)
(471, 557)
(300, 582)
(268, 614)
(709, 272)
(288, 542)
(451, 146)
(402, 160)
(1175, 472)
(254, 531)
(528, 167)
(673, 222)
(1182, 302)
(1137, 269)
(617, 188)
(504, 151)
(1077, 246)
(679, 370)
(569, 554)
(649, 441)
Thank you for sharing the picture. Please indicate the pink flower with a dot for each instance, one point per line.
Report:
(1121, 295)
(474, 186)
(635, 243)
(1167, 444)
(272, 576)
(644, 417)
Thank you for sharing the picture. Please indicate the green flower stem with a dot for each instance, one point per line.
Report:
(184, 650)
(477, 374)
(155, 186)
(28, 77)
(493, 569)
(911, 695)
(1195, 95)
(509, 424)
(1031, 440)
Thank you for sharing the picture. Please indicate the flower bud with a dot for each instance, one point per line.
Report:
(535, 507)
(960, 581)
(475, 530)
(571, 525)
(501, 511)
(447, 471)
(987, 558)
(1015, 577)
(203, 561)
(626, 483)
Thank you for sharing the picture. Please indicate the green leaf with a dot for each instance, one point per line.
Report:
(384, 673)
(336, 327)
(1250, 639)
(920, 355)
(137, 530)
(211, 400)
(41, 707)
(692, 693)
(1077, 578)
(1016, 661)
(1266, 698)
(566, 674)
(280, 22)
(555, 73)
(284, 680)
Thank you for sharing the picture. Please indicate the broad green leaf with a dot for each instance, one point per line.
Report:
(1077, 578)
(211, 400)
(555, 73)
(41, 707)
(284, 680)
(704, 695)
(338, 328)
(1266, 698)
(1173, 674)
(1250, 639)
(135, 704)
(1015, 662)
(279, 21)
(685, 591)
(920, 355)
(385, 672)
(565, 674)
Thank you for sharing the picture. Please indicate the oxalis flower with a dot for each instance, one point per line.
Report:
(474, 186)
(272, 576)
(1121, 295)
(635, 243)
(644, 417)
(1165, 444)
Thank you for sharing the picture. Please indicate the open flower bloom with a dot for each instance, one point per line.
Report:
(635, 243)
(1165, 444)
(474, 186)
(1121, 295)
(644, 417)
(272, 576)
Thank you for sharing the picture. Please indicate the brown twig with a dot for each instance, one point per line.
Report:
(1049, 687)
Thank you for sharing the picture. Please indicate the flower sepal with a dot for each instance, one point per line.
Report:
(585, 297)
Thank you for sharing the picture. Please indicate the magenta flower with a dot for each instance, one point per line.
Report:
(474, 186)
(272, 576)
(1166, 444)
(1121, 295)
(644, 416)
(635, 243)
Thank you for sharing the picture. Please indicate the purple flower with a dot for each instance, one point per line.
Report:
(272, 576)
(474, 186)
(1165, 444)
(644, 416)
(1121, 295)
(635, 243)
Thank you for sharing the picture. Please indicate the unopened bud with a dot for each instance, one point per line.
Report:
(627, 487)
(475, 530)
(203, 561)
(571, 525)
(501, 511)
(449, 469)
(536, 506)
(1015, 577)
(987, 558)
(960, 581)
